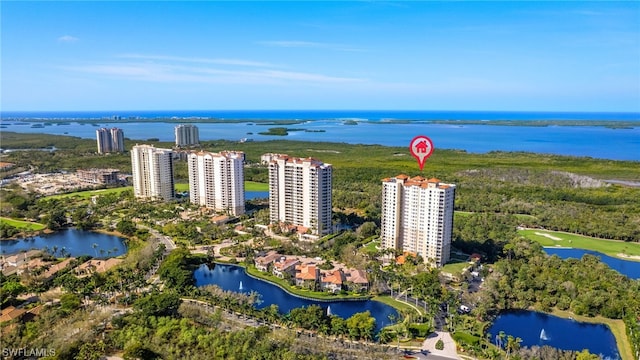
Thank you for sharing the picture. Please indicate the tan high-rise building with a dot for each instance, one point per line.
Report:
(110, 140)
(417, 217)
(187, 135)
(152, 170)
(300, 193)
(216, 180)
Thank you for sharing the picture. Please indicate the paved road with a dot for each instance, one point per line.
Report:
(166, 240)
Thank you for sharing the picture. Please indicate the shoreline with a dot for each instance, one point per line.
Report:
(616, 326)
(450, 119)
(244, 267)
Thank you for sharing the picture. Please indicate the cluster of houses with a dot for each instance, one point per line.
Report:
(306, 273)
(33, 263)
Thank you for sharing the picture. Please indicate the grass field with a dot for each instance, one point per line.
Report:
(455, 268)
(255, 186)
(609, 247)
(398, 305)
(89, 193)
(248, 186)
(22, 224)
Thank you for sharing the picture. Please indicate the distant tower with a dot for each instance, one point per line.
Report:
(216, 180)
(300, 192)
(186, 135)
(152, 170)
(117, 140)
(110, 140)
(417, 217)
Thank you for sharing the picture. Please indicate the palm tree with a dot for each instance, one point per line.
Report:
(94, 246)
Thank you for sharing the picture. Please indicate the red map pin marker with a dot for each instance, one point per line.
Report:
(421, 148)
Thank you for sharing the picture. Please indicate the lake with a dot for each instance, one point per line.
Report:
(372, 128)
(251, 195)
(230, 277)
(629, 268)
(560, 333)
(74, 242)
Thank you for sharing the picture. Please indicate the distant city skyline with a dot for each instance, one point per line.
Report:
(413, 55)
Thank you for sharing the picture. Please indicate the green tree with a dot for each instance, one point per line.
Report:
(361, 325)
(126, 227)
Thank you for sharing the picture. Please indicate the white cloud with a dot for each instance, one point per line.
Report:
(171, 73)
(220, 61)
(67, 39)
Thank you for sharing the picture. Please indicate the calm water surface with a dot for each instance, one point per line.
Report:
(628, 268)
(560, 333)
(74, 242)
(593, 141)
(229, 277)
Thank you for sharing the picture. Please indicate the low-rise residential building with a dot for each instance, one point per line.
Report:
(55, 268)
(11, 313)
(96, 266)
(332, 281)
(285, 266)
(263, 263)
(307, 275)
(356, 280)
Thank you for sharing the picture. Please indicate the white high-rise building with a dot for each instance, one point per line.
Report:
(417, 217)
(216, 180)
(300, 193)
(110, 140)
(152, 170)
(186, 135)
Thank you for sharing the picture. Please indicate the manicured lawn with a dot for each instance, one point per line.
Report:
(398, 305)
(89, 193)
(371, 247)
(455, 268)
(22, 224)
(248, 186)
(182, 187)
(555, 238)
(255, 186)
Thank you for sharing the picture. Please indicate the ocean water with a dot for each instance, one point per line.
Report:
(373, 128)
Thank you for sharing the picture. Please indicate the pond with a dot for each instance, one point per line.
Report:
(72, 242)
(539, 329)
(234, 278)
(629, 268)
(250, 195)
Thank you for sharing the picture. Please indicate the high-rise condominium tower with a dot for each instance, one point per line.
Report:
(216, 180)
(417, 217)
(152, 170)
(186, 135)
(110, 140)
(300, 193)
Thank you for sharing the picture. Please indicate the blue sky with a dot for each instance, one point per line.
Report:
(419, 55)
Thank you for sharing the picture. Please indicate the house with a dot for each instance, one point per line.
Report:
(332, 281)
(19, 259)
(264, 262)
(285, 266)
(54, 269)
(307, 275)
(11, 313)
(96, 266)
(356, 280)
